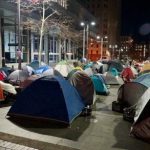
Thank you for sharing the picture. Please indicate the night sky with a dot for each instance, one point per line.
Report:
(136, 19)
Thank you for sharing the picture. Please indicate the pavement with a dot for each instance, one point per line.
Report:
(103, 130)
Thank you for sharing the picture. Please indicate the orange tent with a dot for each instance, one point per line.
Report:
(1, 94)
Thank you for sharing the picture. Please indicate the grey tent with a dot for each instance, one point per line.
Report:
(112, 80)
(132, 91)
(18, 75)
(141, 125)
(84, 85)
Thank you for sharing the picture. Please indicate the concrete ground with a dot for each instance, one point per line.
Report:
(104, 130)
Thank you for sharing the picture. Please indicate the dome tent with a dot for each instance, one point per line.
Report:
(48, 98)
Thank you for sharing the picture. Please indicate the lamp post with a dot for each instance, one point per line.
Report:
(102, 41)
(113, 47)
(19, 37)
(120, 50)
(82, 24)
(86, 35)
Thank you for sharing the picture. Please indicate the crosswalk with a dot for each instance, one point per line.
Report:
(4, 145)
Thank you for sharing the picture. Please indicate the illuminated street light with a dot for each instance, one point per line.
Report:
(86, 34)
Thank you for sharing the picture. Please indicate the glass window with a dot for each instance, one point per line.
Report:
(36, 43)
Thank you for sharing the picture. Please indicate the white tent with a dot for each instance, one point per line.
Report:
(64, 68)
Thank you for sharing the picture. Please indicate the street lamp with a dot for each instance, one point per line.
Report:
(83, 24)
(113, 47)
(102, 41)
(19, 37)
(86, 34)
(120, 51)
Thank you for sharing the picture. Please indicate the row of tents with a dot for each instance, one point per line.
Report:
(135, 96)
(40, 99)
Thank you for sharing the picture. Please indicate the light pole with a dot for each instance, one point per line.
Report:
(120, 50)
(82, 24)
(102, 41)
(86, 35)
(19, 37)
(113, 48)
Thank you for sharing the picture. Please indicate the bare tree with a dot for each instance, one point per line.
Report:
(40, 15)
(41, 11)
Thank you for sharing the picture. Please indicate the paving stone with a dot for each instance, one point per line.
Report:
(26, 148)
(19, 147)
(7, 144)
(15, 147)
(11, 146)
(1, 142)
(4, 145)
(2, 148)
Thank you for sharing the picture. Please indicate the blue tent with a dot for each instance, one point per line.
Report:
(88, 65)
(35, 64)
(99, 85)
(41, 69)
(48, 98)
(114, 72)
(7, 70)
(114, 64)
(144, 79)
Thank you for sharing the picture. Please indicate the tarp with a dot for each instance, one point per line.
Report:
(48, 98)
(84, 86)
(99, 85)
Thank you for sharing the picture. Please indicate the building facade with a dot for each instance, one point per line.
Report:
(61, 40)
(108, 20)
